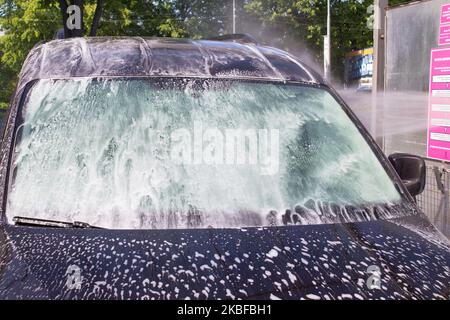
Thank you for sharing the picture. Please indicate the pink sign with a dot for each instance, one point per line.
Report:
(438, 141)
(444, 34)
(444, 26)
(445, 13)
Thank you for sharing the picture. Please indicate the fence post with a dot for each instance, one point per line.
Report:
(442, 208)
(446, 210)
(435, 199)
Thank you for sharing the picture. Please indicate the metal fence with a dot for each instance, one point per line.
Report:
(434, 201)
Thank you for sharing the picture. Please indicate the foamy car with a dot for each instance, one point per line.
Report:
(149, 168)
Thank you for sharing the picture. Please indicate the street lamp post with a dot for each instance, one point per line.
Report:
(234, 16)
(378, 71)
(327, 45)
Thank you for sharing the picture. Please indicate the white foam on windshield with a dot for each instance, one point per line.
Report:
(100, 152)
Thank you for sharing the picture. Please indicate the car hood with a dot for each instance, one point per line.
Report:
(404, 258)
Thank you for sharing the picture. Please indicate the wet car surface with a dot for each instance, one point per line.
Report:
(333, 260)
(294, 262)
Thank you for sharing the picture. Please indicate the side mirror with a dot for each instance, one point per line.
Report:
(411, 169)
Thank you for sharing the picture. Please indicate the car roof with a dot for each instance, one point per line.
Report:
(165, 57)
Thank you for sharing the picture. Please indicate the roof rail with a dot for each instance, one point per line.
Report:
(236, 37)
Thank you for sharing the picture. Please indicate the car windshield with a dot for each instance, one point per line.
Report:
(190, 153)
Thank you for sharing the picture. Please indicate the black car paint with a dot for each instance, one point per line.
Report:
(293, 262)
(283, 262)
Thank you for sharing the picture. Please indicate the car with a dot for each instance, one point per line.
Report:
(159, 168)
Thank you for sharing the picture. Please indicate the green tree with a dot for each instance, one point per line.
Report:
(204, 18)
(27, 22)
(302, 23)
(294, 25)
(299, 26)
(7, 83)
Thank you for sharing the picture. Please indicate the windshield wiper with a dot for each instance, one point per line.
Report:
(25, 221)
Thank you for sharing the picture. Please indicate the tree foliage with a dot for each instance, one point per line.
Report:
(299, 26)
(295, 25)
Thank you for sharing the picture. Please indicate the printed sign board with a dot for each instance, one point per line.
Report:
(438, 139)
(444, 26)
(359, 68)
(444, 34)
(445, 14)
